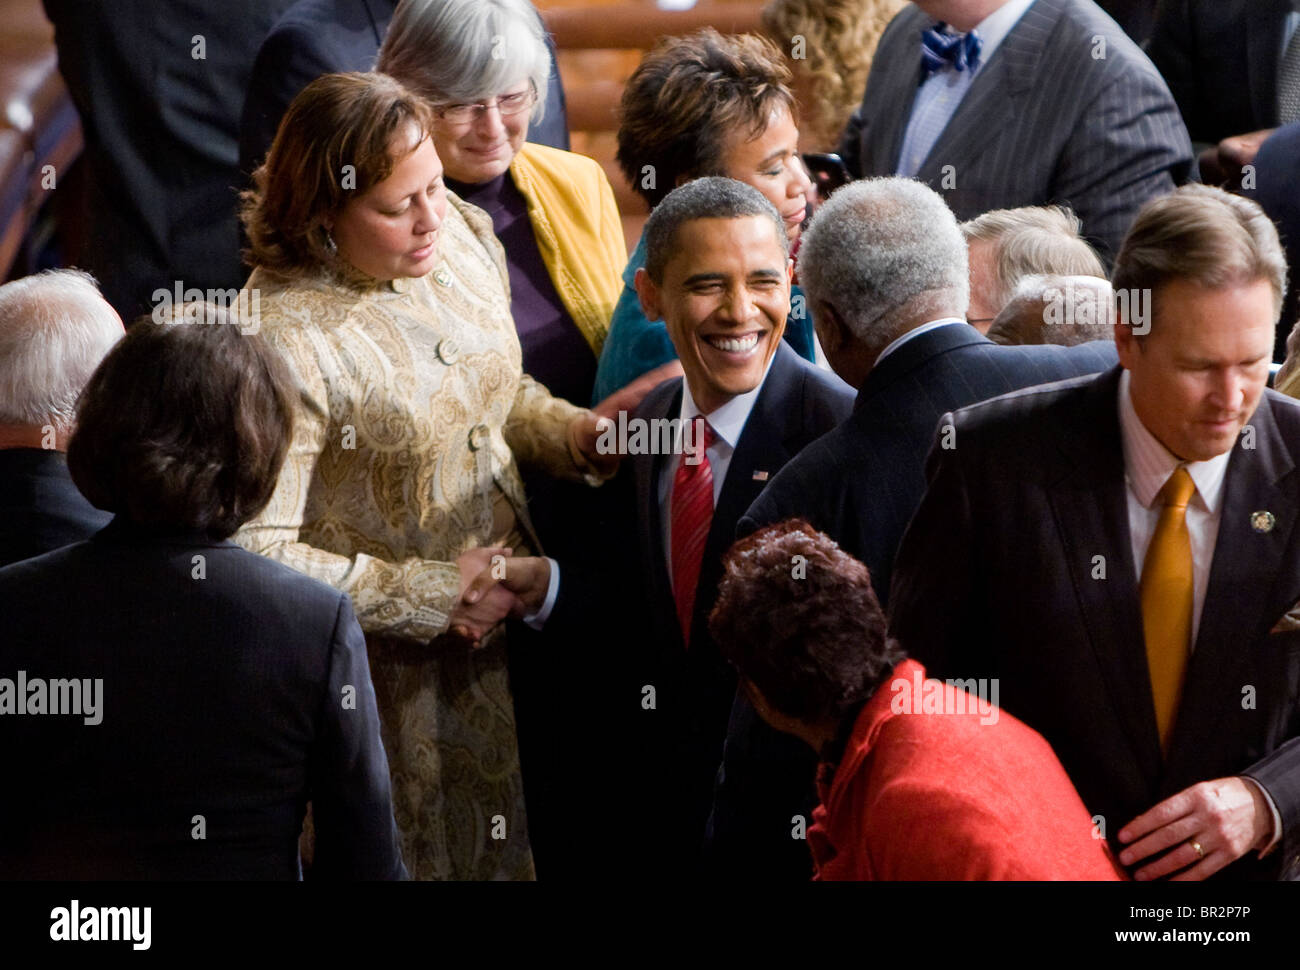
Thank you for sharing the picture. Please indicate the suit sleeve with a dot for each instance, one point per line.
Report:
(851, 143)
(1171, 52)
(1279, 774)
(933, 595)
(289, 60)
(1129, 146)
(412, 599)
(352, 803)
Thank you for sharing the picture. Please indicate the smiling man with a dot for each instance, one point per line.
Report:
(1122, 552)
(718, 274)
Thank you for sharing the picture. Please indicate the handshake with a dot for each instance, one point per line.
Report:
(493, 585)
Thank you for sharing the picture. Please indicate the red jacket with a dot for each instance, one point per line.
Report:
(926, 792)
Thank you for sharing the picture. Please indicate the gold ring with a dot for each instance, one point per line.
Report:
(1200, 853)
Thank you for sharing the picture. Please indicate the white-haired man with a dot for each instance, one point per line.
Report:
(55, 328)
(884, 265)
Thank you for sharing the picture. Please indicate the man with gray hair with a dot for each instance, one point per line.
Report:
(1064, 310)
(55, 328)
(718, 274)
(884, 268)
(1006, 245)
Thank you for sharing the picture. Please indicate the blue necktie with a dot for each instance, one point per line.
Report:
(939, 47)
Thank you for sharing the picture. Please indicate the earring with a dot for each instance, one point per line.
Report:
(329, 243)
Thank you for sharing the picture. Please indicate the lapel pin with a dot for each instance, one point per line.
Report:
(1262, 521)
(760, 476)
(443, 276)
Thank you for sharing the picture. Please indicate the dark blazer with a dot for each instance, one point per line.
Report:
(1220, 59)
(1043, 122)
(162, 136)
(316, 37)
(234, 690)
(677, 745)
(1277, 190)
(859, 484)
(1018, 565)
(40, 508)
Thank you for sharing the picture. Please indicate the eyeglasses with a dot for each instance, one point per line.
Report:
(507, 105)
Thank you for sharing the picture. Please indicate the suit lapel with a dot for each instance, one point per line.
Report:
(1090, 507)
(995, 96)
(646, 469)
(1242, 576)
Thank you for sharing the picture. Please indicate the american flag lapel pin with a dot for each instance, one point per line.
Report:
(760, 476)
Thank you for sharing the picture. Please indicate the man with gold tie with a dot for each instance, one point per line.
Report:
(1123, 553)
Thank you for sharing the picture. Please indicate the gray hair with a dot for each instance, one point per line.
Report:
(880, 247)
(55, 328)
(456, 51)
(1033, 240)
(711, 197)
(1063, 310)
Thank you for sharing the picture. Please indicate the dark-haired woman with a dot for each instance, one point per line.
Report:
(196, 696)
(706, 104)
(388, 298)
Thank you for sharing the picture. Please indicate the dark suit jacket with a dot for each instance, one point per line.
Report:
(999, 576)
(162, 136)
(233, 688)
(1220, 59)
(1277, 190)
(678, 744)
(859, 484)
(316, 37)
(40, 507)
(1043, 122)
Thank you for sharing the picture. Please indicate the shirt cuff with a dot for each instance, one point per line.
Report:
(538, 620)
(1277, 817)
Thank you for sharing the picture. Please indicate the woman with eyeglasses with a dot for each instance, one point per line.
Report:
(484, 66)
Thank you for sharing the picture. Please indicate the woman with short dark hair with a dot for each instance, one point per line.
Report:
(919, 779)
(706, 104)
(197, 696)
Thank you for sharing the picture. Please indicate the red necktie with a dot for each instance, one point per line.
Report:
(692, 514)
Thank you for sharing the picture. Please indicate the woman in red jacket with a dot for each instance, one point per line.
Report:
(919, 779)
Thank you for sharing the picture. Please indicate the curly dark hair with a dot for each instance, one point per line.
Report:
(185, 425)
(796, 616)
(688, 98)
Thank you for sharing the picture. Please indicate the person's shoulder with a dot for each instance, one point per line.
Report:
(556, 162)
(790, 372)
(1086, 35)
(1037, 411)
(659, 399)
(281, 584)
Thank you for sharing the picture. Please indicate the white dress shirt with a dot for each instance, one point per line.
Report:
(727, 422)
(940, 94)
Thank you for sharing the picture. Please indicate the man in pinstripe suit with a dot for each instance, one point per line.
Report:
(1020, 102)
(884, 264)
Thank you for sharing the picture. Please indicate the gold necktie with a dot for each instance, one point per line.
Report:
(1167, 599)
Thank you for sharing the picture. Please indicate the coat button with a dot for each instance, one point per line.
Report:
(478, 436)
(448, 351)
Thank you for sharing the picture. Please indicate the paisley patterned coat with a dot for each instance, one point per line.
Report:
(412, 413)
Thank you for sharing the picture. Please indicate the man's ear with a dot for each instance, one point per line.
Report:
(648, 294)
(1127, 346)
(830, 328)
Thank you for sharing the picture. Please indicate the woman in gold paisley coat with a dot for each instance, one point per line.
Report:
(388, 299)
